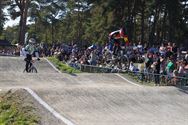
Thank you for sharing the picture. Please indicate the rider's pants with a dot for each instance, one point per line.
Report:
(28, 62)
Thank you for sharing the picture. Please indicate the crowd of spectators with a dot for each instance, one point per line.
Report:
(8, 51)
(167, 59)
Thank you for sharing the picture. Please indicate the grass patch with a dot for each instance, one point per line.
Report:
(14, 111)
(134, 78)
(62, 66)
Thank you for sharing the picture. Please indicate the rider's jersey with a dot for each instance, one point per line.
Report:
(30, 49)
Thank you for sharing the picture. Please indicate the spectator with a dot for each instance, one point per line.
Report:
(170, 67)
(93, 58)
(157, 64)
(181, 70)
(174, 50)
(132, 67)
(169, 47)
(162, 49)
(186, 56)
(140, 48)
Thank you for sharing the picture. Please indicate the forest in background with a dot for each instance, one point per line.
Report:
(91, 21)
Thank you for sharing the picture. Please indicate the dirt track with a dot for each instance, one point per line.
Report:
(98, 99)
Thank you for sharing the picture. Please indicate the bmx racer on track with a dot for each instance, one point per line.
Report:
(30, 50)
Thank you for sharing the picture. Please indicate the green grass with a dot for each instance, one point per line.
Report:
(13, 111)
(134, 78)
(62, 66)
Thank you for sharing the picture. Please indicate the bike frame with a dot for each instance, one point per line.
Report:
(32, 66)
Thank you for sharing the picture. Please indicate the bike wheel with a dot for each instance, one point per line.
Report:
(33, 70)
(24, 70)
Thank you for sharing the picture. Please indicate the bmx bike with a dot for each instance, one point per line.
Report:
(31, 68)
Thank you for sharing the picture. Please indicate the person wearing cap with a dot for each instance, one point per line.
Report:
(30, 49)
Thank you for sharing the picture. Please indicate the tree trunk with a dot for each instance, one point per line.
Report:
(23, 21)
(153, 29)
(134, 36)
(78, 39)
(128, 20)
(52, 31)
(36, 25)
(1, 17)
(142, 22)
(171, 29)
(20, 29)
(175, 17)
(163, 37)
(131, 14)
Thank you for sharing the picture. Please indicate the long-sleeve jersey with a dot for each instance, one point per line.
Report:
(30, 49)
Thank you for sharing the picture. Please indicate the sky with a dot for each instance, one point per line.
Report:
(11, 22)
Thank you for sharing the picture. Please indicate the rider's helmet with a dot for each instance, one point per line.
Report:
(32, 41)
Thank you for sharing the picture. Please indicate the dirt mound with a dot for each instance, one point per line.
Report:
(18, 107)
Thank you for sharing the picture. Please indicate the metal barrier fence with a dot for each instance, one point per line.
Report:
(96, 69)
(143, 77)
(159, 79)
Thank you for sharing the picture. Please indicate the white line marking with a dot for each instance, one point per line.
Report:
(128, 80)
(53, 65)
(50, 109)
